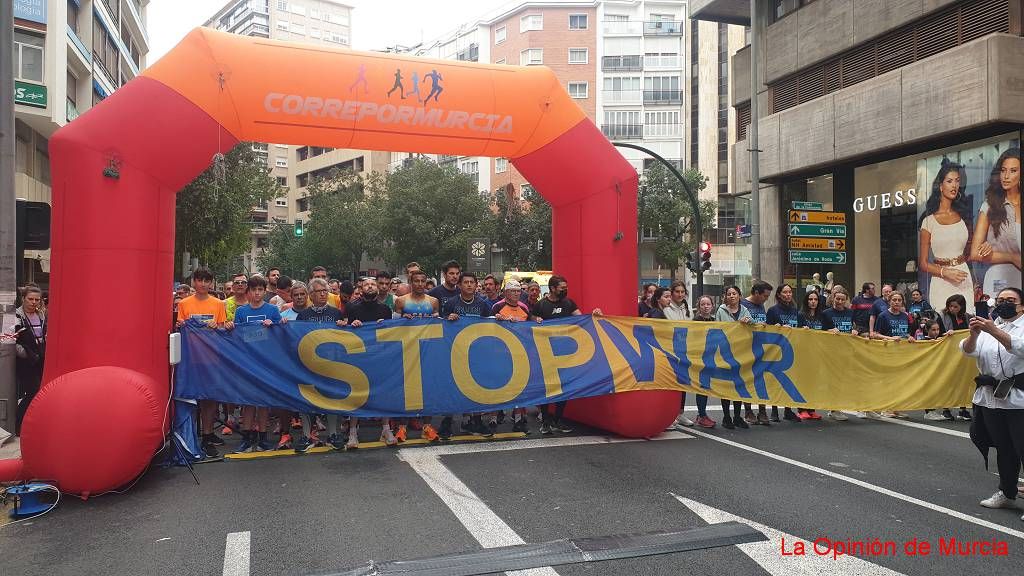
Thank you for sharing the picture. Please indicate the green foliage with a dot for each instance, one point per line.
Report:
(429, 213)
(665, 208)
(214, 210)
(518, 223)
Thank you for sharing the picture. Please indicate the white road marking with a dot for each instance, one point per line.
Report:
(236, 554)
(479, 520)
(769, 554)
(869, 486)
(920, 426)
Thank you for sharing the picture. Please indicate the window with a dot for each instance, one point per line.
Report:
(282, 24)
(72, 89)
(499, 35)
(577, 21)
(578, 89)
(500, 165)
(281, 202)
(297, 9)
(282, 181)
(622, 124)
(282, 5)
(661, 124)
(314, 13)
(531, 56)
(73, 16)
(622, 89)
(314, 33)
(28, 52)
(531, 22)
(299, 28)
(281, 162)
(302, 205)
(578, 55)
(616, 18)
(662, 90)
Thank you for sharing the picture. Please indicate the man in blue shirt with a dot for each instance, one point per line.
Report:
(754, 304)
(449, 286)
(879, 306)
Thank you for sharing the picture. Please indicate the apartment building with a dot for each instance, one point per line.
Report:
(68, 56)
(326, 22)
(640, 69)
(864, 108)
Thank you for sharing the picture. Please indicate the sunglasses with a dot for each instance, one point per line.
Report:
(239, 282)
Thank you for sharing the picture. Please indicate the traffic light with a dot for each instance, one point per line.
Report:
(298, 228)
(690, 262)
(705, 256)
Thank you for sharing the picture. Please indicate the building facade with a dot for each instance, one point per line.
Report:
(641, 70)
(865, 109)
(68, 56)
(326, 22)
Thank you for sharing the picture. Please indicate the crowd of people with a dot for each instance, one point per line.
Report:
(892, 316)
(276, 299)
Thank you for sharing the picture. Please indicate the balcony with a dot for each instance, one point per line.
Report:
(663, 130)
(631, 63)
(663, 97)
(623, 131)
(623, 27)
(622, 96)
(663, 28)
(663, 62)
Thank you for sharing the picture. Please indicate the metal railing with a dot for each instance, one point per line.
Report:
(663, 28)
(663, 96)
(623, 131)
(630, 63)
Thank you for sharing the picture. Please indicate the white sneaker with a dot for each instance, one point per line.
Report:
(999, 500)
(934, 415)
(861, 414)
(684, 421)
(837, 415)
(887, 414)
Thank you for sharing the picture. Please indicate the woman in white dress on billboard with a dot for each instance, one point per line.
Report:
(944, 234)
(997, 232)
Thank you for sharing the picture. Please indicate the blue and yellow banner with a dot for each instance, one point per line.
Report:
(433, 366)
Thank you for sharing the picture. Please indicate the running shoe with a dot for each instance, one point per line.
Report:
(742, 423)
(336, 442)
(562, 427)
(837, 416)
(762, 420)
(901, 415)
(209, 451)
(727, 423)
(683, 421)
(947, 415)
(520, 426)
(999, 500)
(353, 439)
(788, 414)
(933, 415)
(388, 437)
(400, 433)
(750, 418)
(248, 439)
(285, 443)
(492, 427)
(862, 414)
(227, 431)
(212, 440)
(812, 415)
(705, 422)
(964, 415)
(545, 429)
(887, 414)
(262, 444)
(429, 433)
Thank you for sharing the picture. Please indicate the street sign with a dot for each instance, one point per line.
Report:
(743, 231)
(815, 257)
(479, 258)
(797, 205)
(818, 230)
(823, 217)
(817, 244)
(29, 94)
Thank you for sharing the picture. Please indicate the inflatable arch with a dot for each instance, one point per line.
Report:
(107, 365)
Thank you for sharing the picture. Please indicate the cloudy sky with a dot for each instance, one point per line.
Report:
(375, 23)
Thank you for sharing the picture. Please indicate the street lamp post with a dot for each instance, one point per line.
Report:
(689, 194)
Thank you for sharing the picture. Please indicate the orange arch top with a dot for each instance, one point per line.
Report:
(321, 96)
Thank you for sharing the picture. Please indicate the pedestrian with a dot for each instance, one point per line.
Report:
(532, 294)
(319, 311)
(839, 320)
(30, 350)
(998, 347)
(449, 286)
(299, 295)
(893, 324)
(369, 310)
(705, 312)
(256, 419)
(731, 310)
(879, 306)
(239, 294)
(660, 300)
(282, 298)
(811, 319)
(646, 294)
(273, 274)
(471, 304)
(491, 293)
(556, 304)
(205, 308)
(384, 294)
(918, 304)
(754, 303)
(861, 306)
(511, 308)
(952, 317)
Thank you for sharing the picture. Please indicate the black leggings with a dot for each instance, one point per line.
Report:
(1006, 429)
(736, 406)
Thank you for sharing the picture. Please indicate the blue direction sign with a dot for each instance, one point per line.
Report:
(798, 205)
(816, 257)
(818, 230)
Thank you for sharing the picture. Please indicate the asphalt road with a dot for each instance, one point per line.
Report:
(312, 514)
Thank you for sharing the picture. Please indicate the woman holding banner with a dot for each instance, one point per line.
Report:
(944, 235)
(732, 311)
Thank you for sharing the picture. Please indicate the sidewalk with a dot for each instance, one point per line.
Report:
(11, 449)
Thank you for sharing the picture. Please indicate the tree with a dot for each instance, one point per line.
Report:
(665, 209)
(519, 223)
(213, 212)
(428, 213)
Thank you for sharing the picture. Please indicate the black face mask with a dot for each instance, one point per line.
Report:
(563, 294)
(1006, 310)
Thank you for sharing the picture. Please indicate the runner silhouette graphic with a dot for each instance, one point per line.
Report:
(361, 79)
(435, 86)
(398, 84)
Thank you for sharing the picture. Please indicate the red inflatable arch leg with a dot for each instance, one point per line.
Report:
(114, 180)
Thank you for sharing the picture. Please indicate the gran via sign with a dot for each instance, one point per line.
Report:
(29, 94)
